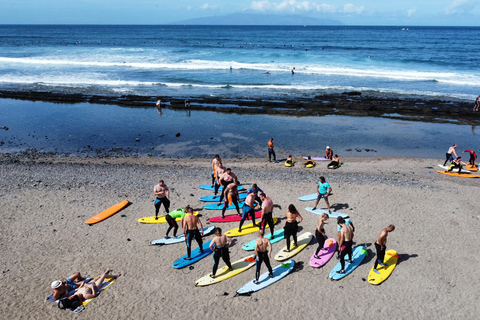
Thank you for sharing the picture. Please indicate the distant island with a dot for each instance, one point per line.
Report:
(259, 19)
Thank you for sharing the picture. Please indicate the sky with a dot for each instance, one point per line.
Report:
(350, 12)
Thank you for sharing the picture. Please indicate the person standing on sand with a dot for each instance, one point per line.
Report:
(271, 151)
(323, 191)
(220, 171)
(320, 234)
(473, 157)
(291, 225)
(477, 104)
(190, 230)
(263, 253)
(328, 153)
(249, 209)
(345, 243)
(225, 179)
(267, 213)
(231, 196)
(171, 220)
(380, 246)
(216, 163)
(219, 246)
(348, 222)
(257, 190)
(448, 155)
(162, 194)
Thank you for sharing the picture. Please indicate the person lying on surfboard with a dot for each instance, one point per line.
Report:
(309, 162)
(380, 246)
(457, 163)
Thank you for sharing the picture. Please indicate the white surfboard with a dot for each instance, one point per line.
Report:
(332, 214)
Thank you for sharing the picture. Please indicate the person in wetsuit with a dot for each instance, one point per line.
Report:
(380, 246)
(267, 213)
(335, 162)
(216, 163)
(190, 230)
(320, 234)
(263, 253)
(448, 155)
(219, 246)
(225, 179)
(249, 209)
(271, 152)
(328, 153)
(254, 187)
(171, 220)
(162, 194)
(231, 195)
(473, 157)
(309, 162)
(345, 243)
(457, 163)
(291, 225)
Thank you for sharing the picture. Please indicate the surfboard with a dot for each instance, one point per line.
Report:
(330, 246)
(107, 213)
(291, 164)
(161, 219)
(180, 237)
(309, 197)
(216, 206)
(359, 253)
(445, 168)
(232, 217)
(391, 258)
(333, 214)
(310, 165)
(463, 175)
(471, 168)
(335, 167)
(209, 187)
(302, 241)
(279, 272)
(241, 196)
(195, 256)
(107, 282)
(278, 235)
(224, 273)
(246, 229)
(317, 159)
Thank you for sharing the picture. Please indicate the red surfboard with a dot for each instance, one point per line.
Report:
(232, 217)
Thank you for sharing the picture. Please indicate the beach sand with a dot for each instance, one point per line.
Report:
(45, 201)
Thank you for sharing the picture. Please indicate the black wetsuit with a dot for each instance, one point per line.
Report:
(172, 224)
(268, 218)
(333, 164)
(224, 254)
(291, 230)
(447, 158)
(380, 254)
(347, 250)
(271, 153)
(262, 256)
(198, 237)
(247, 212)
(320, 239)
(158, 203)
(235, 203)
(455, 165)
(224, 185)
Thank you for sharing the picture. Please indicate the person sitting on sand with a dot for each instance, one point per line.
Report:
(320, 234)
(249, 209)
(335, 162)
(219, 246)
(290, 161)
(309, 162)
(473, 157)
(190, 230)
(91, 289)
(380, 246)
(448, 155)
(162, 194)
(457, 163)
(267, 213)
(328, 153)
(231, 196)
(323, 191)
(271, 152)
(345, 243)
(263, 252)
(291, 225)
(61, 288)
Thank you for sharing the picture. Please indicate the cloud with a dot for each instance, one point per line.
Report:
(411, 12)
(207, 7)
(294, 6)
(460, 6)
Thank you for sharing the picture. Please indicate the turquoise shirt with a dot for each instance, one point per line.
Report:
(323, 187)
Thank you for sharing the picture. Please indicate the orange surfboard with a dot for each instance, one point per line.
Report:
(463, 175)
(107, 213)
(471, 168)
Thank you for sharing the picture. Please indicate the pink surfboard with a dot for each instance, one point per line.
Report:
(233, 218)
(324, 255)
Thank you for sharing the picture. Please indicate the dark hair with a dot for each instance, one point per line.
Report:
(254, 185)
(391, 227)
(188, 208)
(322, 178)
(161, 181)
(71, 302)
(341, 221)
(336, 155)
(228, 169)
(237, 183)
(262, 194)
(218, 231)
(292, 208)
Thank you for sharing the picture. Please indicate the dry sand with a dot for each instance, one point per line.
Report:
(44, 203)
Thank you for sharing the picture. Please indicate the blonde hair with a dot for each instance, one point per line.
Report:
(218, 231)
(325, 215)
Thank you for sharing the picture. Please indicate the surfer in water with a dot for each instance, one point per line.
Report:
(231, 196)
(267, 213)
(249, 209)
(190, 230)
(271, 152)
(219, 246)
(345, 243)
(263, 253)
(448, 155)
(323, 191)
(380, 246)
(291, 225)
(320, 234)
(162, 194)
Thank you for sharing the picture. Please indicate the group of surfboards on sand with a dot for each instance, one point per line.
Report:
(456, 161)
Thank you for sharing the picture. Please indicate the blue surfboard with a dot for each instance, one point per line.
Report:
(309, 197)
(359, 253)
(216, 206)
(209, 187)
(277, 236)
(264, 280)
(195, 256)
(241, 196)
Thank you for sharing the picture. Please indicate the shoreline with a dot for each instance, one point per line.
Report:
(353, 104)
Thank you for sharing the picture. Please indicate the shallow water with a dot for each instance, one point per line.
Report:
(90, 129)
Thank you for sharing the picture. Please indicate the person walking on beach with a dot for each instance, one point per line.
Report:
(190, 226)
(380, 247)
(231, 196)
(267, 213)
(162, 194)
(328, 153)
(448, 155)
(249, 209)
(323, 191)
(291, 225)
(473, 157)
(219, 246)
(345, 243)
(225, 179)
(171, 218)
(477, 104)
(263, 253)
(320, 234)
(271, 152)
(216, 163)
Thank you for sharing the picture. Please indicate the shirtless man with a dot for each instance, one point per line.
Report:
(162, 194)
(323, 191)
(309, 161)
(216, 162)
(190, 230)
(231, 195)
(271, 151)
(256, 188)
(380, 246)
(345, 243)
(220, 171)
(263, 252)
(348, 222)
(291, 225)
(61, 288)
(227, 177)
(267, 213)
(249, 209)
(91, 289)
(328, 153)
(219, 246)
(448, 155)
(335, 162)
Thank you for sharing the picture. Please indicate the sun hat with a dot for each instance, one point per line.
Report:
(55, 284)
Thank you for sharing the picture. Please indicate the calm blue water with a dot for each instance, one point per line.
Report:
(188, 61)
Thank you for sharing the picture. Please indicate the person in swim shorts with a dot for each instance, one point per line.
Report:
(380, 246)
(91, 289)
(263, 253)
(320, 234)
(219, 246)
(449, 153)
(323, 191)
(291, 225)
(190, 230)
(61, 288)
(249, 208)
(162, 194)
(271, 152)
(345, 243)
(267, 213)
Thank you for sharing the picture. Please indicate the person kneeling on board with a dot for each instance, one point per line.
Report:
(263, 253)
(309, 162)
(380, 246)
(291, 225)
(249, 209)
(219, 246)
(457, 163)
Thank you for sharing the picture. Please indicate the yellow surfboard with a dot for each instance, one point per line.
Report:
(302, 241)
(106, 283)
(246, 229)
(463, 175)
(161, 219)
(224, 273)
(107, 213)
(391, 258)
